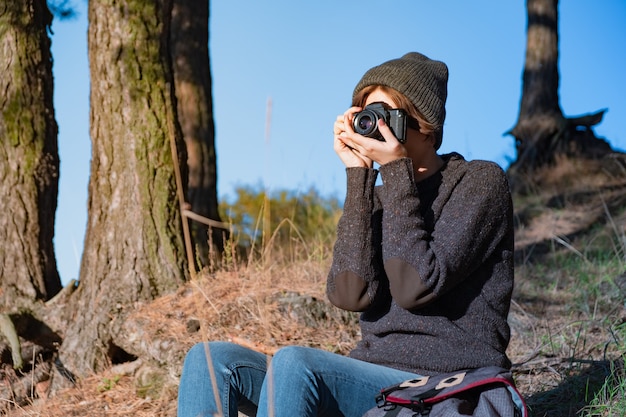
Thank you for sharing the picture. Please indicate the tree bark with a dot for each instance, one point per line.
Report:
(134, 248)
(192, 76)
(29, 159)
(542, 131)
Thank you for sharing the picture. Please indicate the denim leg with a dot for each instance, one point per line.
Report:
(311, 382)
(239, 374)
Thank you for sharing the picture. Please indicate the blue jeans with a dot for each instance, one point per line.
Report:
(301, 382)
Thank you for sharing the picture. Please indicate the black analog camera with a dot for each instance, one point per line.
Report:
(365, 122)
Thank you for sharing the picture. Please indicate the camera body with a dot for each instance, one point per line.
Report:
(365, 122)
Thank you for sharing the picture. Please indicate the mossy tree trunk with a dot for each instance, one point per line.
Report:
(134, 249)
(542, 131)
(192, 75)
(29, 159)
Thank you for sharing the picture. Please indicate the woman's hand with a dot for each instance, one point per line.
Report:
(355, 150)
(349, 156)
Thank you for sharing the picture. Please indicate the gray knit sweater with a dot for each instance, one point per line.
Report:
(429, 265)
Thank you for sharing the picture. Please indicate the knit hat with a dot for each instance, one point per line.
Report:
(422, 80)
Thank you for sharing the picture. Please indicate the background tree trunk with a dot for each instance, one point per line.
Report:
(540, 117)
(542, 131)
(29, 159)
(134, 247)
(192, 76)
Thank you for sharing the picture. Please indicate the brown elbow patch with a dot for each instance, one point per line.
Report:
(406, 286)
(350, 292)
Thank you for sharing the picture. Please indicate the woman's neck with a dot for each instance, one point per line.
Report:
(427, 167)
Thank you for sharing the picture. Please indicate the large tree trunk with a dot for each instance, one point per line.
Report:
(29, 169)
(192, 75)
(29, 159)
(542, 131)
(134, 247)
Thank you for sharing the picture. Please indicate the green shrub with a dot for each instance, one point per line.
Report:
(280, 218)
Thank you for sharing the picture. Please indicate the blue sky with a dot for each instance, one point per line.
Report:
(307, 56)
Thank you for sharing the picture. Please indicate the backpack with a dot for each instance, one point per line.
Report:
(484, 392)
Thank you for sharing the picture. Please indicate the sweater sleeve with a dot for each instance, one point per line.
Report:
(423, 264)
(354, 275)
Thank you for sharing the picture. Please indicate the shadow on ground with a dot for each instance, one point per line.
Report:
(580, 384)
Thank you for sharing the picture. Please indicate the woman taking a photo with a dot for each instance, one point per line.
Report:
(426, 257)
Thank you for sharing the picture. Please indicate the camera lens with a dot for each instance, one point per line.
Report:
(365, 122)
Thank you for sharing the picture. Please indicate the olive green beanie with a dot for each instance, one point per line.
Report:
(422, 80)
